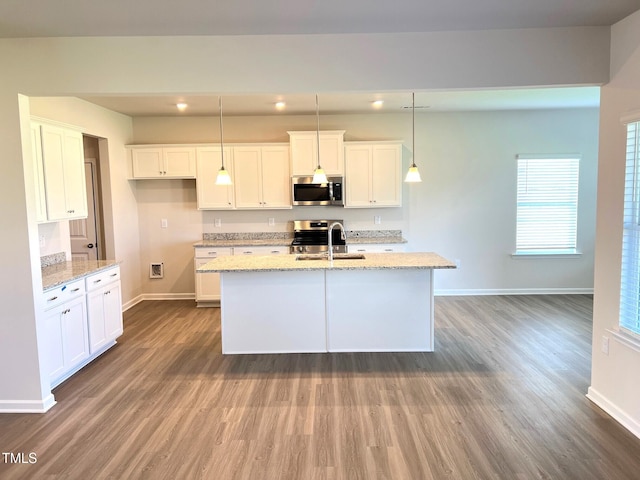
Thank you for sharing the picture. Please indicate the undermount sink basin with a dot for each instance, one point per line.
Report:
(336, 256)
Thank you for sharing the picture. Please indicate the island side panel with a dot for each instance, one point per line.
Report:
(273, 312)
(385, 310)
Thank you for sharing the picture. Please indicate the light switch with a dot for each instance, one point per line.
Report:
(217, 222)
(377, 219)
(272, 221)
(164, 223)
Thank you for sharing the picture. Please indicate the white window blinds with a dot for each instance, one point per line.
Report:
(547, 204)
(630, 285)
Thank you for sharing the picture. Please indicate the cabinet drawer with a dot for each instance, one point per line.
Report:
(58, 295)
(262, 250)
(99, 279)
(203, 252)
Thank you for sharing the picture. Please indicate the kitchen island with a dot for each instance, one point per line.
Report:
(291, 304)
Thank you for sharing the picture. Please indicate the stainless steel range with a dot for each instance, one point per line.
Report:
(312, 236)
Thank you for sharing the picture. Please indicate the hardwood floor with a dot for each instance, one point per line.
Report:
(501, 398)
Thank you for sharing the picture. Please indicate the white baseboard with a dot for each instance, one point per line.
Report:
(27, 406)
(512, 291)
(157, 296)
(618, 414)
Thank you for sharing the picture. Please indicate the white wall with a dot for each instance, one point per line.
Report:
(252, 64)
(464, 209)
(614, 377)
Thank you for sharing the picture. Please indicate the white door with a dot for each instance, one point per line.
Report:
(84, 235)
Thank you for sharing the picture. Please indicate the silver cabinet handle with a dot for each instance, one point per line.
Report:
(52, 299)
(75, 289)
(97, 281)
(114, 274)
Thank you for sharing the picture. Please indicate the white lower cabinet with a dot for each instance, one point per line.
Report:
(377, 248)
(208, 284)
(67, 340)
(104, 305)
(82, 319)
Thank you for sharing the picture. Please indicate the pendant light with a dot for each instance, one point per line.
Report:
(318, 175)
(413, 175)
(223, 177)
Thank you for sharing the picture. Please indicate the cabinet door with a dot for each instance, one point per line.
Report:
(358, 175)
(38, 172)
(147, 162)
(96, 317)
(53, 162)
(386, 182)
(75, 187)
(276, 177)
(332, 153)
(210, 195)
(54, 353)
(207, 284)
(113, 311)
(303, 153)
(75, 339)
(179, 162)
(248, 177)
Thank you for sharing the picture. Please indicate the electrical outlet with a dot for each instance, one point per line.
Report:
(457, 260)
(217, 222)
(164, 223)
(43, 241)
(605, 345)
(272, 221)
(377, 219)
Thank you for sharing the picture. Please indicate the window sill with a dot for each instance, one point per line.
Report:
(545, 254)
(627, 339)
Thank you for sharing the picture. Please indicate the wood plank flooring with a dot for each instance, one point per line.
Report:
(502, 397)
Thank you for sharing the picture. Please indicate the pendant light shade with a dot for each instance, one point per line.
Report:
(223, 177)
(318, 175)
(413, 175)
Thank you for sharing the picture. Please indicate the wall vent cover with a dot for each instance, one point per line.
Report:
(156, 270)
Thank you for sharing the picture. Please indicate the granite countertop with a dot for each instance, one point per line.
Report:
(285, 239)
(64, 272)
(372, 261)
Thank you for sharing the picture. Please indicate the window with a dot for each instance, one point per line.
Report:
(630, 284)
(547, 204)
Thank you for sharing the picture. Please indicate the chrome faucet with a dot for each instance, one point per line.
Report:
(343, 236)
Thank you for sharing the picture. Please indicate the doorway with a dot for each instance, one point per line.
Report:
(87, 234)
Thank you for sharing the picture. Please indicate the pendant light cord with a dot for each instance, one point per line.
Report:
(318, 129)
(413, 128)
(221, 141)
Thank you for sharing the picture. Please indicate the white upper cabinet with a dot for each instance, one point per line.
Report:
(373, 176)
(261, 176)
(163, 162)
(304, 152)
(38, 170)
(58, 154)
(212, 196)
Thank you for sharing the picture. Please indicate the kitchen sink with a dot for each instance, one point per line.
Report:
(336, 256)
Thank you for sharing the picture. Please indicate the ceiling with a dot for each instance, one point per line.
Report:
(349, 103)
(74, 18)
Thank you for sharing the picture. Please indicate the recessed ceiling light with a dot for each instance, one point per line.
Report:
(280, 105)
(377, 103)
(181, 106)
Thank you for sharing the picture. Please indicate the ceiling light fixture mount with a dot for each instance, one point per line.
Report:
(413, 175)
(223, 177)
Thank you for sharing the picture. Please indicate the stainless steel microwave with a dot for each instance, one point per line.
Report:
(305, 192)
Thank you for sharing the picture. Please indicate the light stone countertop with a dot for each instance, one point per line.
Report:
(372, 261)
(355, 240)
(65, 272)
